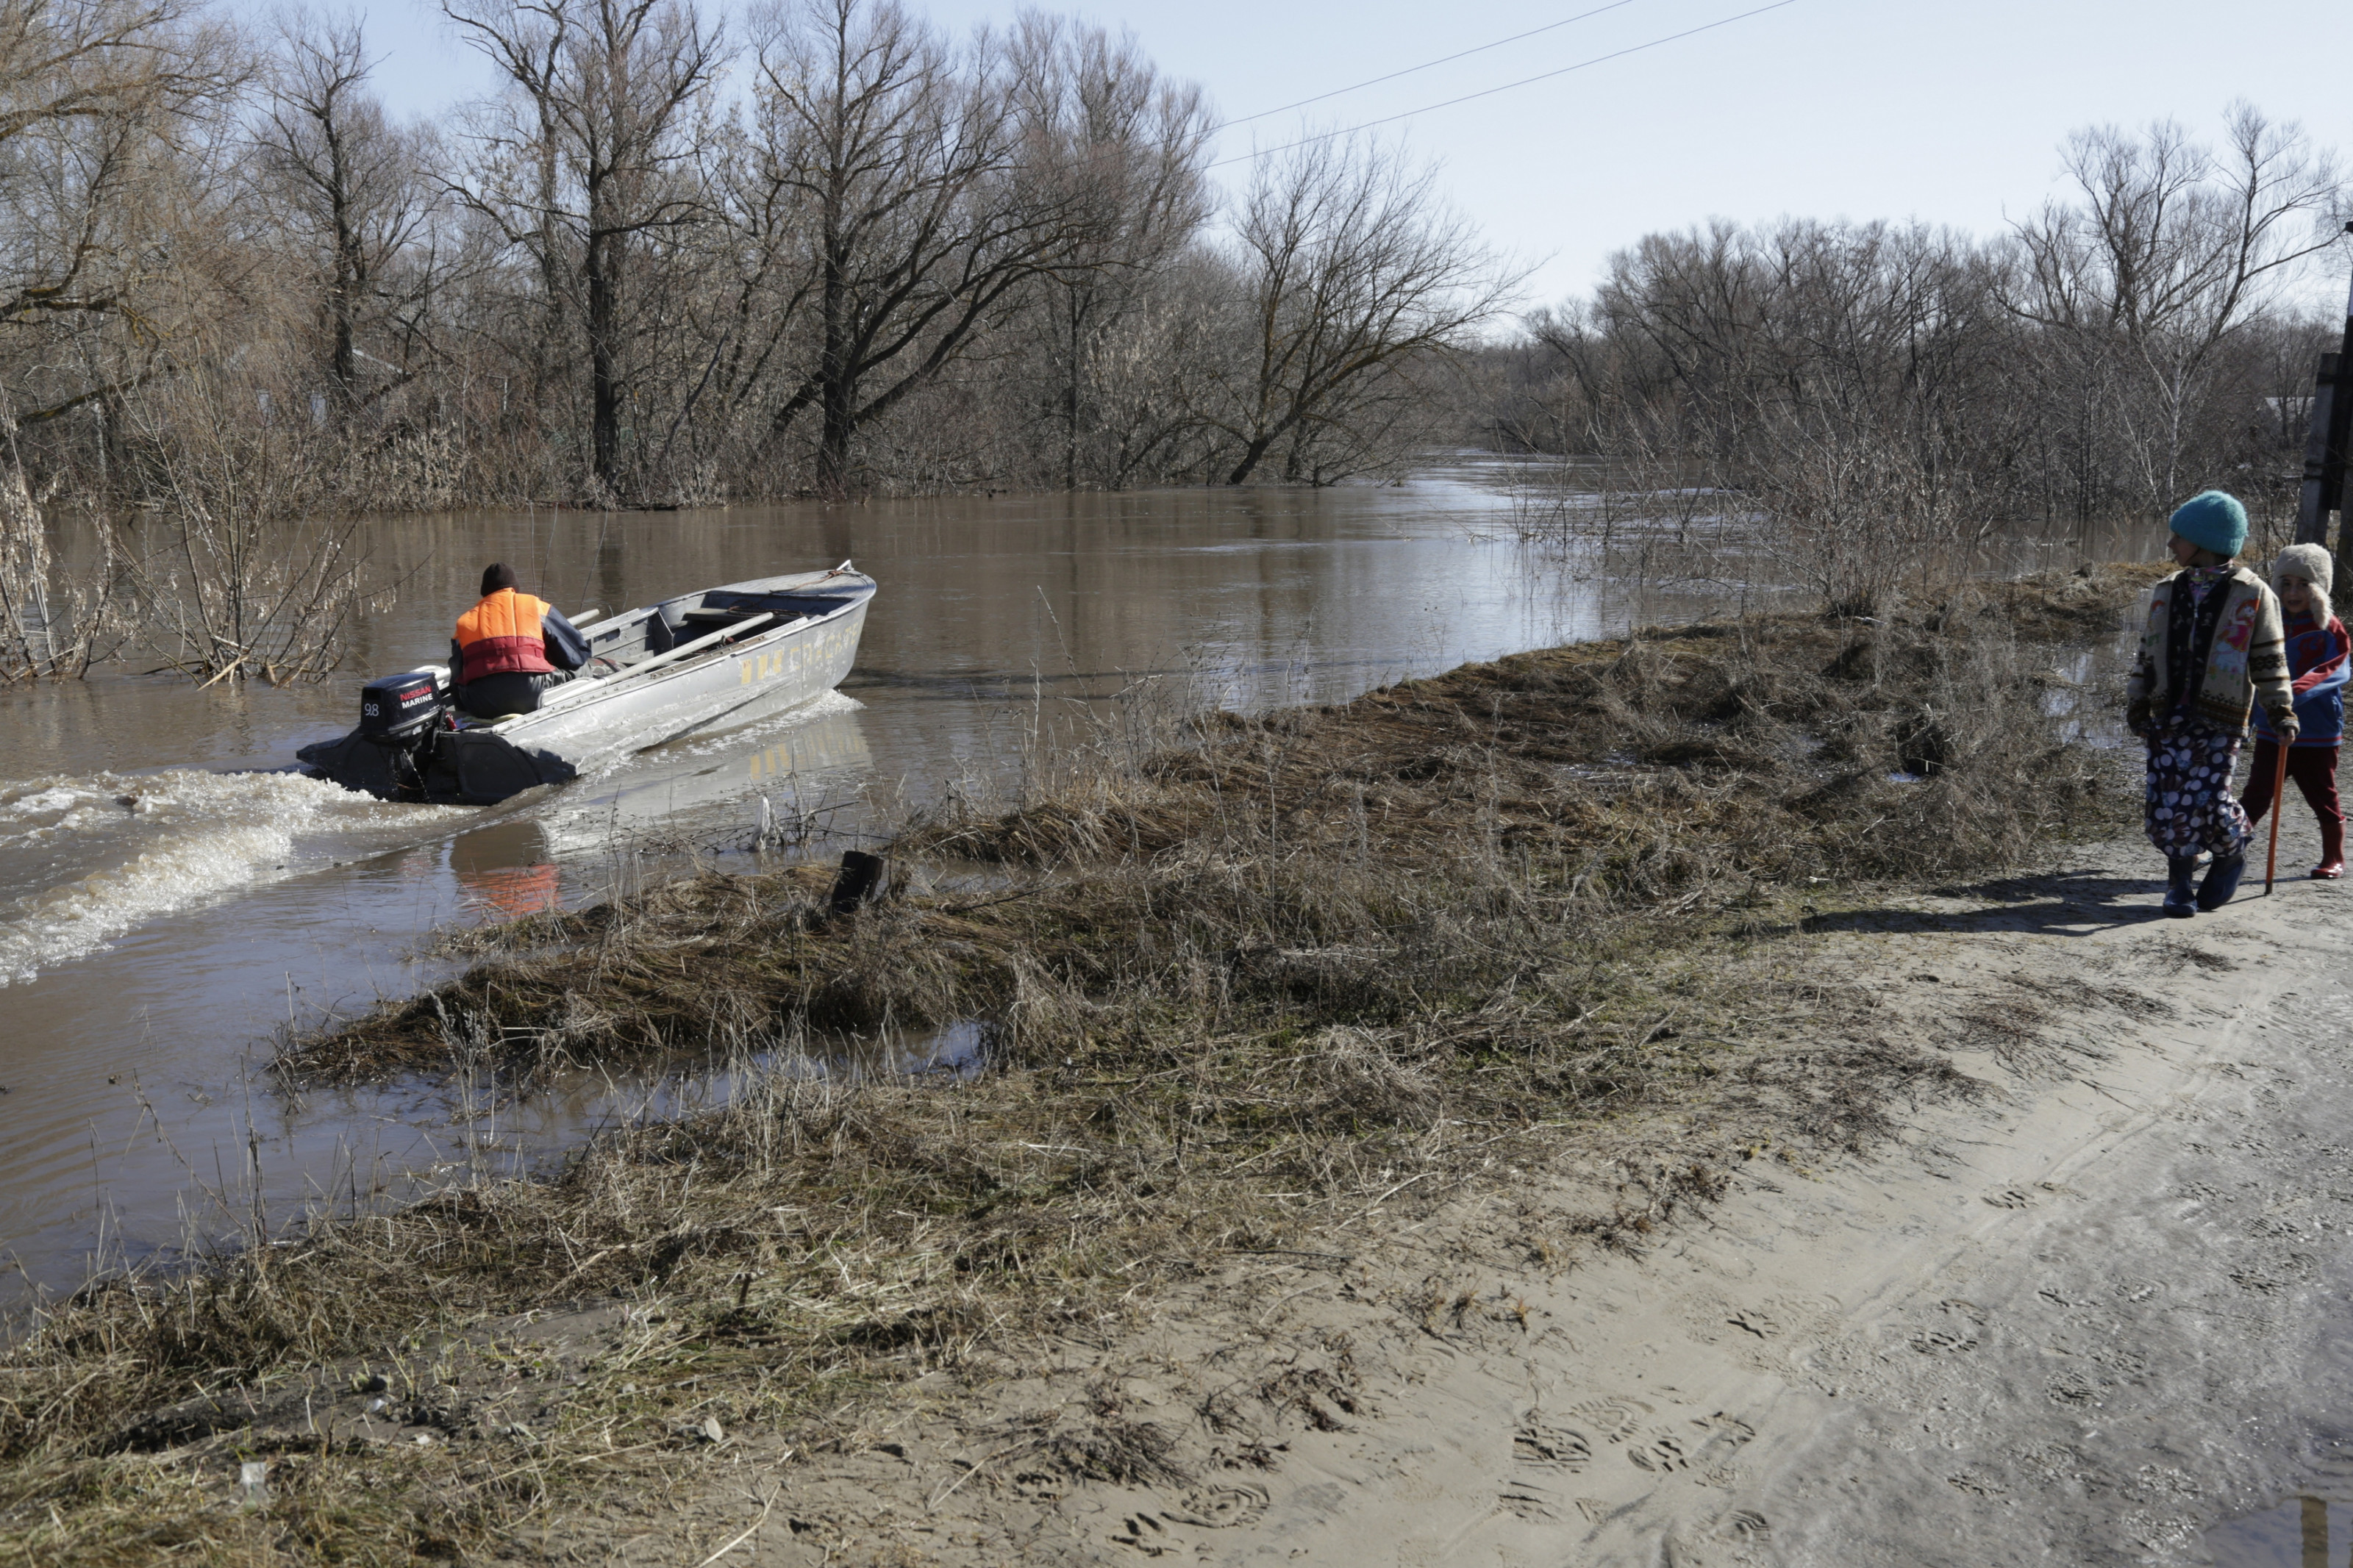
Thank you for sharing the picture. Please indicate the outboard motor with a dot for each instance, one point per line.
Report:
(398, 710)
(409, 747)
(400, 717)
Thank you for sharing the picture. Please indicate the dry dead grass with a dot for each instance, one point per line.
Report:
(1242, 992)
(1413, 854)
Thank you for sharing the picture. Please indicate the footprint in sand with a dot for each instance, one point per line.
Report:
(1613, 1416)
(1707, 1442)
(1225, 1506)
(1551, 1447)
(1526, 1499)
(1954, 1333)
(1142, 1532)
(1664, 1453)
(2071, 1388)
(1542, 1452)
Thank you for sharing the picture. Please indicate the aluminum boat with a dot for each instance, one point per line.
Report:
(654, 674)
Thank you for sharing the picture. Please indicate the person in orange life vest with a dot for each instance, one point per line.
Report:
(510, 648)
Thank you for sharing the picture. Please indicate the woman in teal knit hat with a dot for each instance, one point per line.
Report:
(2213, 647)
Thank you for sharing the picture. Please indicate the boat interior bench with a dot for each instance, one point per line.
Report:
(725, 609)
(723, 606)
(681, 620)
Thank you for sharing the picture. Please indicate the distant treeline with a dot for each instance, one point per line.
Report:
(819, 248)
(1870, 389)
(816, 247)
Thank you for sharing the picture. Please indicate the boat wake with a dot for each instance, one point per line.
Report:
(83, 860)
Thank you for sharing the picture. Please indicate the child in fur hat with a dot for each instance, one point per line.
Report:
(2319, 655)
(2213, 649)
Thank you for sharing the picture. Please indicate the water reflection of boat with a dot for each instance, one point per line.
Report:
(669, 668)
(508, 892)
(800, 762)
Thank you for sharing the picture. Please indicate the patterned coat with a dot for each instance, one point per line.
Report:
(2246, 664)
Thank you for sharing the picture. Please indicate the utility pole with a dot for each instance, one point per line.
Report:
(2325, 447)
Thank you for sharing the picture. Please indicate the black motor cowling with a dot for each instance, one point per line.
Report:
(408, 748)
(396, 709)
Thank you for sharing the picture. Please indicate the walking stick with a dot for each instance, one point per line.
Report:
(2279, 802)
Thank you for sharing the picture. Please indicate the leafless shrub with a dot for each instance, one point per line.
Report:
(52, 621)
(1870, 403)
(236, 574)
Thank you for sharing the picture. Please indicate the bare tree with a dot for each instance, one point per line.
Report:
(1354, 281)
(1870, 402)
(924, 202)
(346, 188)
(111, 114)
(110, 111)
(1129, 144)
(584, 161)
(2166, 251)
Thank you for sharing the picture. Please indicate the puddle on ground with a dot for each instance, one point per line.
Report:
(2302, 1533)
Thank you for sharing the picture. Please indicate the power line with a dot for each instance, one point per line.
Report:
(1490, 92)
(1426, 65)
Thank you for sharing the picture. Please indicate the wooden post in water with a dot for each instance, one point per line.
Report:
(861, 874)
(2315, 1533)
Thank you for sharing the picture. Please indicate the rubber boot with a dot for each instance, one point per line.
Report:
(2331, 851)
(2223, 879)
(2181, 902)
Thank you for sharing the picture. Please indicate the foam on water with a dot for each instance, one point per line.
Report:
(83, 860)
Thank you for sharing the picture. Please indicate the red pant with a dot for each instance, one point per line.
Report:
(2313, 769)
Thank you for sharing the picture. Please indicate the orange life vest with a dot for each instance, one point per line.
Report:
(503, 634)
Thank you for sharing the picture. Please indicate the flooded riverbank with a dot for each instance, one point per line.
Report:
(158, 920)
(1468, 935)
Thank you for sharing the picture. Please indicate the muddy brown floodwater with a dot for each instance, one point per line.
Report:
(163, 908)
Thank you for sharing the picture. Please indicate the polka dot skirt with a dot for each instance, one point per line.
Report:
(2190, 805)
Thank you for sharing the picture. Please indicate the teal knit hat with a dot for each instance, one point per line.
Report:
(2212, 521)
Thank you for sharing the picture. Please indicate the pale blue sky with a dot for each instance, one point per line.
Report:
(1826, 108)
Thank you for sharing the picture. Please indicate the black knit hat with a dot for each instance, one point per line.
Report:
(495, 576)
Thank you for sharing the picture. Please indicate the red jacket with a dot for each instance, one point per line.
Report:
(503, 635)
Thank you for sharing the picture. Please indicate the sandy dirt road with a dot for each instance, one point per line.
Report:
(2075, 1315)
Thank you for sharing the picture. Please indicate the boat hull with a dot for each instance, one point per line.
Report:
(586, 724)
(775, 667)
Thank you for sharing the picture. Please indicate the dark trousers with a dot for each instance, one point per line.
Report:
(497, 696)
(2313, 770)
